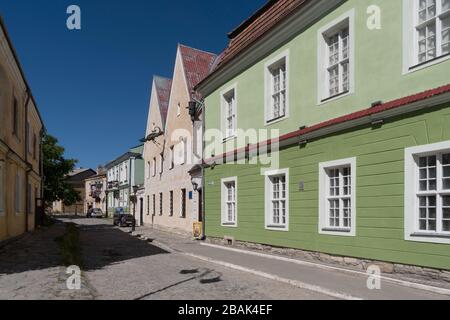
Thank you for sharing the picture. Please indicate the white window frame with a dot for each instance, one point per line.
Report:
(224, 107)
(154, 167)
(171, 204)
(268, 200)
(2, 187)
(411, 40)
(268, 86)
(172, 157)
(224, 202)
(324, 186)
(323, 90)
(161, 204)
(412, 230)
(161, 163)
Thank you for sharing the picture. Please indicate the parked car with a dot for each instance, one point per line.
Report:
(97, 213)
(122, 219)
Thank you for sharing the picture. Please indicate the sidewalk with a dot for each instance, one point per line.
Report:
(334, 281)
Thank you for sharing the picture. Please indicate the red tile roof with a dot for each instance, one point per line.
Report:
(163, 87)
(402, 102)
(256, 26)
(197, 65)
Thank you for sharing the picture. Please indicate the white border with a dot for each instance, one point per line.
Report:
(321, 58)
(222, 202)
(322, 196)
(267, 84)
(411, 187)
(267, 196)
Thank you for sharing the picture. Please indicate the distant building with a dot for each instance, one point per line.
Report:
(21, 130)
(95, 191)
(76, 179)
(123, 174)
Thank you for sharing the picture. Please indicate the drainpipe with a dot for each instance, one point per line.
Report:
(27, 142)
(203, 172)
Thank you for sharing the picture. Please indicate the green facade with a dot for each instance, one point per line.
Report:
(379, 152)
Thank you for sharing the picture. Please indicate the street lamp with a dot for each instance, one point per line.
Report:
(134, 200)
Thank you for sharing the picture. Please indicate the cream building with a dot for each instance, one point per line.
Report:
(172, 200)
(95, 192)
(21, 129)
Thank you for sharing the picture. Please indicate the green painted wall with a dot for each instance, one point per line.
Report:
(379, 193)
(378, 73)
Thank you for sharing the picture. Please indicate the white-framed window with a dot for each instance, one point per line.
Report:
(277, 88)
(183, 203)
(229, 202)
(277, 200)
(337, 197)
(178, 109)
(229, 112)
(2, 188)
(427, 193)
(171, 203)
(161, 204)
(172, 157)
(154, 167)
(149, 169)
(154, 204)
(161, 163)
(336, 58)
(426, 33)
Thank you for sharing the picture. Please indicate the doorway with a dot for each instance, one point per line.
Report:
(141, 211)
(200, 205)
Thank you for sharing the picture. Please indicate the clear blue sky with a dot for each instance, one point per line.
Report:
(92, 86)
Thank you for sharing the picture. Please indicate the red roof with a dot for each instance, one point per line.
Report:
(197, 65)
(402, 102)
(256, 26)
(163, 87)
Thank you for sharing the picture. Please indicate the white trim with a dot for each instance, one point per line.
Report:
(268, 87)
(323, 183)
(411, 229)
(224, 195)
(223, 105)
(322, 47)
(268, 196)
(410, 43)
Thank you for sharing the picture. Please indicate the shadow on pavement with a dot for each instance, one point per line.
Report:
(102, 245)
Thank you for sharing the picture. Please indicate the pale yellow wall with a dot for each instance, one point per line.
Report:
(172, 179)
(88, 200)
(13, 146)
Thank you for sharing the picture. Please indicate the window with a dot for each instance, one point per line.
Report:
(335, 61)
(161, 204)
(161, 163)
(427, 32)
(178, 109)
(277, 200)
(30, 199)
(183, 204)
(171, 203)
(229, 202)
(337, 189)
(172, 157)
(149, 170)
(15, 124)
(2, 188)
(154, 205)
(18, 193)
(154, 167)
(427, 195)
(34, 146)
(229, 107)
(276, 88)
(148, 205)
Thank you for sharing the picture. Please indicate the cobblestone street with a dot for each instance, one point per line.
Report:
(119, 266)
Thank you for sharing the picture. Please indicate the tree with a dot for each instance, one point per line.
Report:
(56, 169)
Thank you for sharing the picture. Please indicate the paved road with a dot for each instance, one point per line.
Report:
(119, 266)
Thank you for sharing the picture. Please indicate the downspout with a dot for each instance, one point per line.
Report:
(27, 142)
(203, 172)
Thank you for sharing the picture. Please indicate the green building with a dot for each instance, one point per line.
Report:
(124, 173)
(359, 92)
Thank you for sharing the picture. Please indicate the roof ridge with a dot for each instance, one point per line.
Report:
(196, 49)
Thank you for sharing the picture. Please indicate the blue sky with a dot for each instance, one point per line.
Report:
(92, 86)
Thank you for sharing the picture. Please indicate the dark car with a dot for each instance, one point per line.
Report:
(122, 219)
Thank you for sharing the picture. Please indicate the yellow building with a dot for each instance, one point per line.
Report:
(21, 129)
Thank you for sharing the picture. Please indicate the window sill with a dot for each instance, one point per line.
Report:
(277, 227)
(229, 139)
(337, 230)
(229, 224)
(335, 97)
(430, 235)
(428, 63)
(276, 120)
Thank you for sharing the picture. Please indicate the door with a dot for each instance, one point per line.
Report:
(200, 205)
(141, 210)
